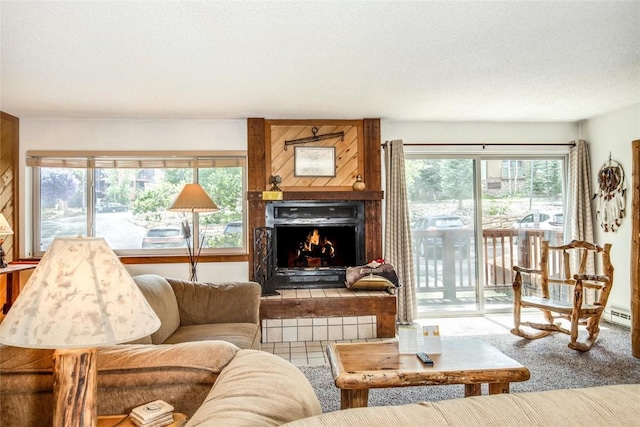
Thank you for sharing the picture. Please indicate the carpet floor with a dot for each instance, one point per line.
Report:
(551, 363)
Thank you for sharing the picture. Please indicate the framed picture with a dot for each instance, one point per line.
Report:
(314, 161)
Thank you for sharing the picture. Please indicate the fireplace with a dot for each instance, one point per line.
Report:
(314, 242)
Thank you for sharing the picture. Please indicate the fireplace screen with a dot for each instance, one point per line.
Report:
(314, 242)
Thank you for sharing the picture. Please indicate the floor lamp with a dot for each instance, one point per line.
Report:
(192, 199)
(79, 297)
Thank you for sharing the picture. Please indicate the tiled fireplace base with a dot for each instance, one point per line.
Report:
(327, 314)
(318, 329)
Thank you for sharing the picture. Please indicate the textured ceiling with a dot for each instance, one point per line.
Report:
(420, 60)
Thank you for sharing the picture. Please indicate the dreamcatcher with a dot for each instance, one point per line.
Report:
(611, 196)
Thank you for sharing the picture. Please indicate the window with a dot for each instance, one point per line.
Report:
(512, 169)
(124, 197)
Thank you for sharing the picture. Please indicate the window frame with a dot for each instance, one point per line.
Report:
(92, 161)
(427, 153)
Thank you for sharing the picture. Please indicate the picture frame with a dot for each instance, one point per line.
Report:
(314, 161)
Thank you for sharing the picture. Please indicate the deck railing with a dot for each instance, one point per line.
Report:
(445, 260)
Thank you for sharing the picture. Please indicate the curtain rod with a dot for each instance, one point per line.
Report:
(485, 145)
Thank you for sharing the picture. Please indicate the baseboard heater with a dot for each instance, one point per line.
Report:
(619, 316)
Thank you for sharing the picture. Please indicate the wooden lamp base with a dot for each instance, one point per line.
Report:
(75, 388)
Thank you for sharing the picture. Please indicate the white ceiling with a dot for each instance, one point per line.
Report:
(399, 60)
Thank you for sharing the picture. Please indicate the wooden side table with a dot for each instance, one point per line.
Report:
(12, 271)
(124, 421)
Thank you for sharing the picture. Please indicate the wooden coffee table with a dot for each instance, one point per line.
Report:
(358, 367)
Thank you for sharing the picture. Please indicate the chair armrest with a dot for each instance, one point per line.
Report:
(527, 270)
(591, 281)
(593, 277)
(205, 303)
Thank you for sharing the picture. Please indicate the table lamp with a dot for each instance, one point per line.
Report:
(192, 199)
(5, 229)
(79, 297)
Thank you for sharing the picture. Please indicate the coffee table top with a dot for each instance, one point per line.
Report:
(379, 364)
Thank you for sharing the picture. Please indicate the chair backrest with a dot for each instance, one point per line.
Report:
(577, 260)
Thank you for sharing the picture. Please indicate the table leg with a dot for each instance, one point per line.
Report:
(498, 388)
(9, 291)
(354, 398)
(472, 390)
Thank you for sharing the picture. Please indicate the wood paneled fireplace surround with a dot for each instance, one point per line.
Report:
(357, 152)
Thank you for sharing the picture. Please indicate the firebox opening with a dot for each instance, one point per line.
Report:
(315, 246)
(315, 241)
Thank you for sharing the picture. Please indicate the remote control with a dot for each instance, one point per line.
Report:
(425, 359)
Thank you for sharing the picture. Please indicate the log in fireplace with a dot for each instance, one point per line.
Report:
(315, 241)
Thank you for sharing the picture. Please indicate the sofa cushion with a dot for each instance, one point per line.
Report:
(244, 335)
(233, 302)
(257, 389)
(162, 300)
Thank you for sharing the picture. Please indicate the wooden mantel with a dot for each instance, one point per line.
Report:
(361, 156)
(327, 195)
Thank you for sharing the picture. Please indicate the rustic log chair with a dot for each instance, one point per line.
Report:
(555, 270)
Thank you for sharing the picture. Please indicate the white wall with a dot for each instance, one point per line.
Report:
(487, 132)
(606, 134)
(139, 135)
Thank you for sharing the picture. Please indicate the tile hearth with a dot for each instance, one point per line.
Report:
(318, 329)
(301, 315)
(313, 353)
(307, 353)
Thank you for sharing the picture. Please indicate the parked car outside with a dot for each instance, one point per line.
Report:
(232, 227)
(540, 221)
(439, 222)
(434, 244)
(164, 236)
(111, 207)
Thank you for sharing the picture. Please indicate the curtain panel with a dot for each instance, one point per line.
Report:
(579, 194)
(398, 246)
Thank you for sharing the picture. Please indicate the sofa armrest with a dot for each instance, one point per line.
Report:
(128, 376)
(204, 303)
(257, 389)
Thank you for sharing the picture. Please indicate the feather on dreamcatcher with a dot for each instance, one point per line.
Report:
(611, 196)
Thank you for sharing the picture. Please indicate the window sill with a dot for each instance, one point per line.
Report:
(177, 259)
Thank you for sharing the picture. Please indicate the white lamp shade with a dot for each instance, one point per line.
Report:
(79, 296)
(193, 198)
(5, 228)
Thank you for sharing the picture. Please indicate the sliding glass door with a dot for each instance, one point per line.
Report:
(473, 218)
(443, 209)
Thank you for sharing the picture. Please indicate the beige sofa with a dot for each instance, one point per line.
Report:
(193, 311)
(240, 386)
(206, 347)
(617, 405)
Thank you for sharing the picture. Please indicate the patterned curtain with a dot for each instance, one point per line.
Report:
(579, 211)
(579, 193)
(397, 247)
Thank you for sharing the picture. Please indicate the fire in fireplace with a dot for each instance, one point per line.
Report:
(315, 251)
(315, 246)
(314, 242)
